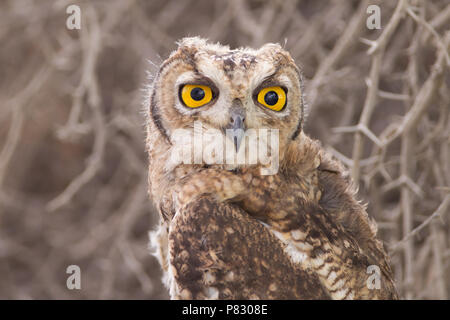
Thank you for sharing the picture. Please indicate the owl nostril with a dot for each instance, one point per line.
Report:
(232, 120)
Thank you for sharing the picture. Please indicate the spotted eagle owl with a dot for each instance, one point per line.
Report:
(271, 217)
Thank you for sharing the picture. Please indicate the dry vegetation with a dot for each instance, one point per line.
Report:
(72, 159)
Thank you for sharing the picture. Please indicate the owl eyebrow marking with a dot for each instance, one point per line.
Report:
(200, 79)
(269, 81)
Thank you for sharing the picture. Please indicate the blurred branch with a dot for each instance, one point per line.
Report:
(91, 48)
(377, 50)
(422, 101)
(430, 28)
(17, 104)
(441, 210)
(342, 44)
(12, 140)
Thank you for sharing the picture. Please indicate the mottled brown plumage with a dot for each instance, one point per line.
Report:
(231, 232)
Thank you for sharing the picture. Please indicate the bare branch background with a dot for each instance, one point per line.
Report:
(72, 159)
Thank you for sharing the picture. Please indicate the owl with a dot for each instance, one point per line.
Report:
(250, 207)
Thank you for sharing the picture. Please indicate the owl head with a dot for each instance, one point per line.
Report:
(229, 94)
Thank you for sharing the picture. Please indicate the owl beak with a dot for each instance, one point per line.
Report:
(237, 126)
(238, 131)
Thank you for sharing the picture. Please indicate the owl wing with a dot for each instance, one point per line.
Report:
(217, 251)
(336, 240)
(344, 268)
(348, 219)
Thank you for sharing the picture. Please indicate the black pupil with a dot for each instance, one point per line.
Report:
(197, 94)
(271, 98)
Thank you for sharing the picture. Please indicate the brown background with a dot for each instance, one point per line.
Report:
(72, 155)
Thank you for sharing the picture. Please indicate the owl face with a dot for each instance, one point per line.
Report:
(228, 90)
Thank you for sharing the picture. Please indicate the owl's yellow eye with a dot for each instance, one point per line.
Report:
(195, 95)
(273, 98)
